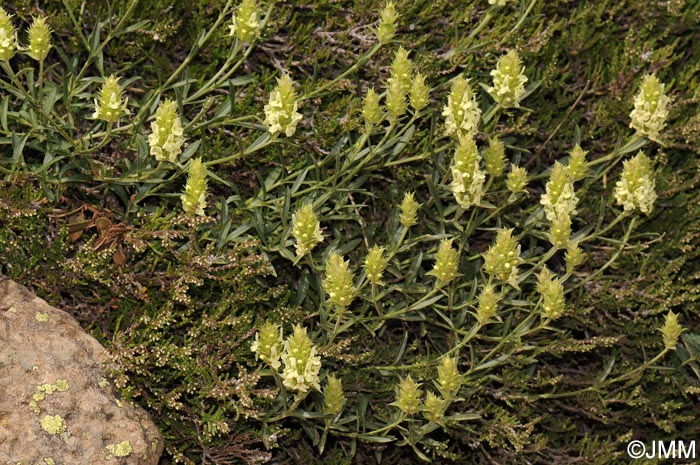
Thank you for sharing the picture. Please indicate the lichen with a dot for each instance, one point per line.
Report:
(53, 424)
(33, 407)
(123, 449)
(49, 461)
(41, 316)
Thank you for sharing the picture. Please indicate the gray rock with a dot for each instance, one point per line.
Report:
(56, 405)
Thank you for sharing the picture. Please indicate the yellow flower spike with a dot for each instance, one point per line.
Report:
(560, 231)
(574, 257)
(559, 198)
(636, 187)
(281, 113)
(503, 257)
(246, 23)
(487, 309)
(395, 101)
(402, 69)
(420, 93)
(306, 229)
(387, 24)
(333, 397)
(517, 179)
(467, 177)
(338, 281)
(508, 81)
(462, 112)
(301, 364)
(372, 111)
(375, 264)
(446, 262)
(434, 409)
(409, 209)
(39, 39)
(268, 344)
(408, 396)
(577, 163)
(671, 331)
(449, 379)
(110, 106)
(8, 36)
(166, 138)
(194, 200)
(495, 157)
(552, 293)
(650, 111)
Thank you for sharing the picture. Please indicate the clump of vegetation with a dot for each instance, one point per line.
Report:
(381, 260)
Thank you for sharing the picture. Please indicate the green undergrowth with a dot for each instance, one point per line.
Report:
(97, 228)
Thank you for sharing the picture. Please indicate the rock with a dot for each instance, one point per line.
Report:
(56, 405)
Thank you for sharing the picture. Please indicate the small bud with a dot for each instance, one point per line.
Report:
(449, 379)
(434, 408)
(375, 263)
(409, 208)
(8, 36)
(461, 113)
(268, 344)
(402, 69)
(39, 39)
(508, 81)
(552, 294)
(395, 100)
(371, 110)
(281, 113)
(333, 396)
(301, 364)
(671, 331)
(420, 94)
(338, 281)
(574, 257)
(650, 108)
(446, 262)
(246, 23)
(517, 179)
(306, 229)
(467, 178)
(503, 257)
(488, 305)
(408, 396)
(560, 198)
(166, 139)
(387, 23)
(560, 231)
(194, 200)
(110, 107)
(636, 187)
(577, 163)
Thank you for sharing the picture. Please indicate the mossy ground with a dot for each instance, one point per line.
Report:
(187, 363)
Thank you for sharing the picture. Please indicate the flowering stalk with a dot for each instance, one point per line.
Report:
(409, 208)
(552, 293)
(503, 257)
(246, 24)
(268, 344)
(110, 107)
(333, 397)
(560, 198)
(301, 364)
(281, 113)
(446, 263)
(636, 187)
(306, 229)
(194, 200)
(461, 113)
(408, 396)
(375, 264)
(8, 36)
(338, 281)
(508, 81)
(467, 177)
(387, 24)
(650, 111)
(166, 137)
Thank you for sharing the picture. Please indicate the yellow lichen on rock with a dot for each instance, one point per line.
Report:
(53, 424)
